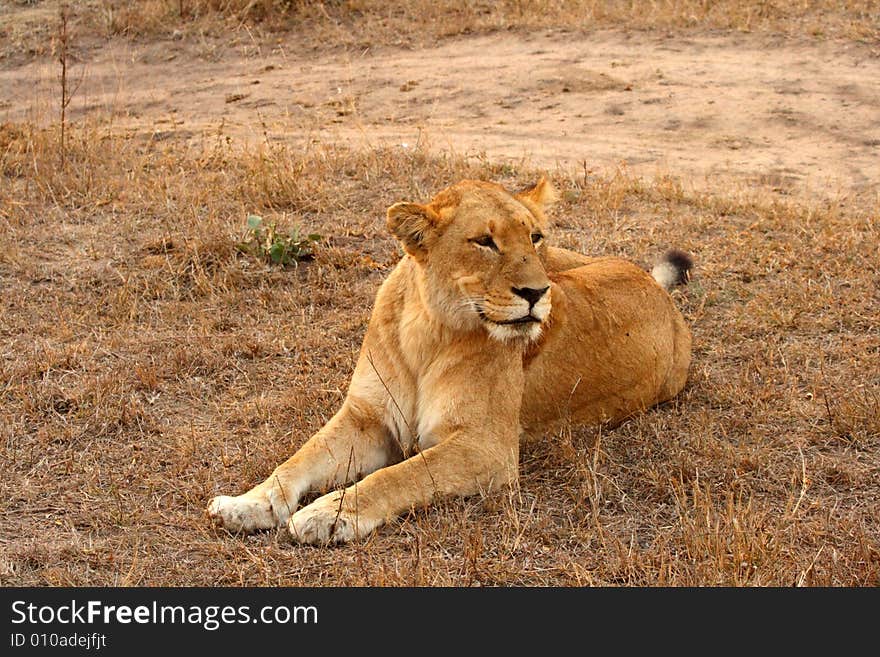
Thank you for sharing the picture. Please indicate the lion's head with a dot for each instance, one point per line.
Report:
(479, 252)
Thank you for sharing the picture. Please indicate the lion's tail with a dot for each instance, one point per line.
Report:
(673, 269)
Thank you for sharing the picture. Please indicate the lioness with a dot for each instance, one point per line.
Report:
(481, 334)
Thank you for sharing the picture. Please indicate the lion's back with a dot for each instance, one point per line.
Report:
(615, 344)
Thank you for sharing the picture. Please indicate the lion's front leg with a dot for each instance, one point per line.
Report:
(460, 465)
(353, 443)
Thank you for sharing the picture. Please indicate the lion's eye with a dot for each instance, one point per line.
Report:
(485, 241)
(536, 237)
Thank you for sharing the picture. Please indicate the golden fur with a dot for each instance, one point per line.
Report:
(482, 333)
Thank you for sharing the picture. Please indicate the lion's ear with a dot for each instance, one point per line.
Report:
(542, 193)
(412, 224)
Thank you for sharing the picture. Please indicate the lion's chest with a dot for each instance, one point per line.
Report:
(420, 413)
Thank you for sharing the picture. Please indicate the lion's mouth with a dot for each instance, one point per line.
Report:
(525, 319)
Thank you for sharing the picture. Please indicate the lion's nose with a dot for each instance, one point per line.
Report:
(530, 294)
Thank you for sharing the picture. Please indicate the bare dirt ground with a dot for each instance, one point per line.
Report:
(787, 113)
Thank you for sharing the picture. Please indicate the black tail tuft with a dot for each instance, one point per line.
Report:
(673, 269)
(682, 263)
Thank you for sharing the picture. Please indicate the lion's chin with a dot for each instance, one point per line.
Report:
(528, 332)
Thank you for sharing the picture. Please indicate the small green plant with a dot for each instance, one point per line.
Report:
(267, 242)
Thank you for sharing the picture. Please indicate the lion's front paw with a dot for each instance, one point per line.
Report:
(326, 520)
(249, 512)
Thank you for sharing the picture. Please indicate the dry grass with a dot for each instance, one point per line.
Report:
(26, 27)
(146, 365)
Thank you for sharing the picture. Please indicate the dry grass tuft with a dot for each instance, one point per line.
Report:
(146, 364)
(28, 27)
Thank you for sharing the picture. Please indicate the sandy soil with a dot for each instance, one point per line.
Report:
(801, 115)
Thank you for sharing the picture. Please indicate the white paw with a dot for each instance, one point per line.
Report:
(250, 512)
(326, 520)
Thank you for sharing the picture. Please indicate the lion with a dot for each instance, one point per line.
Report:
(481, 335)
